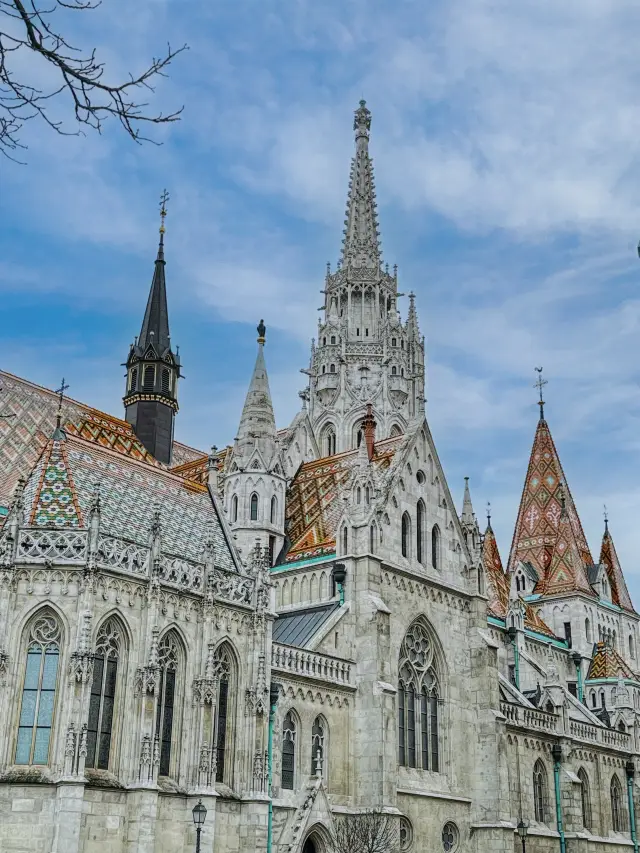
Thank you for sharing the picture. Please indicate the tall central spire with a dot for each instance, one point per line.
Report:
(361, 244)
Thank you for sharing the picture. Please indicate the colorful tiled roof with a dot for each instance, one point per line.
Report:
(24, 437)
(497, 584)
(537, 526)
(313, 505)
(110, 432)
(607, 663)
(131, 491)
(609, 558)
(567, 571)
(197, 471)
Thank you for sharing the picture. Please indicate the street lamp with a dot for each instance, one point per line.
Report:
(523, 829)
(199, 814)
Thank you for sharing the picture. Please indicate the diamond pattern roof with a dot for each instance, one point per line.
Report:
(609, 558)
(607, 663)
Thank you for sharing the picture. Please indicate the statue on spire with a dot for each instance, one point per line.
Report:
(262, 331)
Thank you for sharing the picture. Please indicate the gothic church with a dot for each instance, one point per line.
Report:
(301, 626)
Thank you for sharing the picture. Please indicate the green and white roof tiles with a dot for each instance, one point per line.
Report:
(62, 487)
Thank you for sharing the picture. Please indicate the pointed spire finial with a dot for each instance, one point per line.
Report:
(262, 332)
(362, 121)
(489, 515)
(60, 392)
(164, 198)
(606, 520)
(539, 384)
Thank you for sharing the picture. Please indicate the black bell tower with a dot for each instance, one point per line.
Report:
(153, 370)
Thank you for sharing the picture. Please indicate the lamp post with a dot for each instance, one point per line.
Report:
(199, 813)
(523, 829)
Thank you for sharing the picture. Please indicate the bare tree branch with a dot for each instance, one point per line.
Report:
(371, 831)
(29, 26)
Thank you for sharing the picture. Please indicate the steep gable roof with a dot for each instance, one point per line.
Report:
(609, 558)
(537, 526)
(53, 499)
(567, 571)
(607, 663)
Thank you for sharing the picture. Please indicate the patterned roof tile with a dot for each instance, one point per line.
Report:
(609, 558)
(607, 663)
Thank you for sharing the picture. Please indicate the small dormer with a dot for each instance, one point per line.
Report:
(600, 582)
(523, 579)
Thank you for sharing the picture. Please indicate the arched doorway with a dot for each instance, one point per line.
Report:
(309, 846)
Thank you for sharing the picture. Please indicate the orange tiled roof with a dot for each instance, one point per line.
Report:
(313, 509)
(609, 557)
(607, 663)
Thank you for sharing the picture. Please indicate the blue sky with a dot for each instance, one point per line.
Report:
(505, 139)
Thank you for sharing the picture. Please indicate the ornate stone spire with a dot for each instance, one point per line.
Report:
(467, 516)
(257, 424)
(413, 329)
(361, 245)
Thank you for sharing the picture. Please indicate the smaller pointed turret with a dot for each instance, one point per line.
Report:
(153, 369)
(609, 559)
(468, 521)
(257, 429)
(413, 328)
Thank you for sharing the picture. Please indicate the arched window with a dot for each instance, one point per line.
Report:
(602, 698)
(394, 342)
(345, 540)
(234, 508)
(166, 380)
(324, 342)
(418, 697)
(103, 694)
(367, 495)
(372, 539)
(329, 440)
(594, 701)
(540, 791)
(168, 661)
(149, 378)
(324, 368)
(587, 630)
(288, 751)
(358, 438)
(39, 690)
(318, 733)
(585, 798)
(333, 339)
(420, 531)
(253, 507)
(358, 495)
(133, 379)
(435, 546)
(618, 817)
(632, 648)
(406, 534)
(332, 368)
(394, 371)
(274, 510)
(224, 721)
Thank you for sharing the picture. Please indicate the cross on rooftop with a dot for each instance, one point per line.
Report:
(539, 384)
(164, 198)
(60, 392)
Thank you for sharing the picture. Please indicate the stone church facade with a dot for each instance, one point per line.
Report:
(300, 627)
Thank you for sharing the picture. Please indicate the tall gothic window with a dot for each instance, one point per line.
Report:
(223, 717)
(418, 697)
(234, 508)
(540, 796)
(618, 820)
(168, 659)
(345, 539)
(420, 532)
(288, 751)
(585, 798)
(274, 510)
(329, 440)
(39, 691)
(318, 733)
(405, 534)
(254, 507)
(435, 546)
(103, 693)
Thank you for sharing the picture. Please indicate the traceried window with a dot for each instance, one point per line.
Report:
(288, 751)
(405, 533)
(618, 817)
(103, 694)
(585, 798)
(39, 691)
(222, 672)
(253, 507)
(318, 733)
(540, 791)
(168, 661)
(418, 702)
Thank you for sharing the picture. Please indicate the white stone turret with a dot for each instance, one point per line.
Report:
(254, 481)
(364, 352)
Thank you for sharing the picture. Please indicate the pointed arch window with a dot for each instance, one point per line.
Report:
(253, 507)
(332, 368)
(585, 798)
(540, 791)
(394, 371)
(318, 734)
(288, 751)
(103, 694)
(618, 817)
(418, 698)
(372, 539)
(405, 532)
(149, 378)
(587, 629)
(358, 495)
(234, 508)
(168, 661)
(333, 339)
(274, 510)
(39, 691)
(345, 539)
(222, 673)
(420, 531)
(166, 381)
(133, 379)
(435, 546)
(329, 440)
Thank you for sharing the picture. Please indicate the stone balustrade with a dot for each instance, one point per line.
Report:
(530, 718)
(288, 659)
(42, 545)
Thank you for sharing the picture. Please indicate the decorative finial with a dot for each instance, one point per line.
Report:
(164, 198)
(60, 392)
(539, 384)
(362, 121)
(606, 521)
(488, 510)
(262, 331)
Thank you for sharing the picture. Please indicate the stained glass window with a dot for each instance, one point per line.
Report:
(103, 692)
(418, 698)
(168, 657)
(288, 751)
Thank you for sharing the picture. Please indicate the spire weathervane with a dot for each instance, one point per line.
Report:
(488, 513)
(606, 519)
(164, 198)
(539, 384)
(60, 392)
